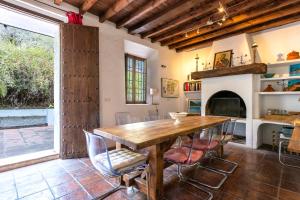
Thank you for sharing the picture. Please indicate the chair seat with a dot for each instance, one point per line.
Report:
(202, 144)
(181, 155)
(121, 159)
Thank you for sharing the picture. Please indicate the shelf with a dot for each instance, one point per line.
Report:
(187, 92)
(280, 79)
(279, 93)
(192, 81)
(286, 62)
(256, 68)
(267, 121)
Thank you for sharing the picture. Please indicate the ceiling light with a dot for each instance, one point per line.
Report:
(209, 22)
(186, 35)
(221, 8)
(220, 23)
(224, 18)
(198, 31)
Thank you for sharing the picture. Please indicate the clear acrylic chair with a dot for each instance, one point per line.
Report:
(225, 135)
(185, 157)
(153, 115)
(207, 142)
(114, 163)
(123, 118)
(289, 147)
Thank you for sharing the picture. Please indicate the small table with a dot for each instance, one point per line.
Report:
(158, 136)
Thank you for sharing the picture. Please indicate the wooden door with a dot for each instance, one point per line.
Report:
(79, 87)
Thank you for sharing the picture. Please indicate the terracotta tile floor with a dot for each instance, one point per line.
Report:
(14, 142)
(258, 177)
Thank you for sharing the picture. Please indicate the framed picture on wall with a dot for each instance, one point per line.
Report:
(169, 88)
(222, 59)
(294, 71)
(194, 106)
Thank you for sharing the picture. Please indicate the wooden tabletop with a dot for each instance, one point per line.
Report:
(294, 143)
(145, 134)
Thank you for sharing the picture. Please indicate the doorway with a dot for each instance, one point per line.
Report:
(29, 87)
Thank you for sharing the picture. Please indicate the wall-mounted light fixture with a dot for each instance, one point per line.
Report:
(153, 92)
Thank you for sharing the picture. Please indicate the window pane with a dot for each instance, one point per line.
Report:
(136, 79)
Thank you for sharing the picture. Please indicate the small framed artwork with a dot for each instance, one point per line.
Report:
(294, 71)
(194, 106)
(169, 88)
(222, 59)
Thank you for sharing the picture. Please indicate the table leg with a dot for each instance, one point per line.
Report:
(156, 163)
(119, 145)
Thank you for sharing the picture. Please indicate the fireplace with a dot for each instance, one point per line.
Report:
(226, 103)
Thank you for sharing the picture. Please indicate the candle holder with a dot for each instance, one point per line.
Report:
(254, 51)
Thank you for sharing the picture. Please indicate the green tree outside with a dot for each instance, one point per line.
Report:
(26, 68)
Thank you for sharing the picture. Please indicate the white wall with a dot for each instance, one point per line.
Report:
(112, 74)
(283, 39)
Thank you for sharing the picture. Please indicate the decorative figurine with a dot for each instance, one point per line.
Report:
(269, 88)
(197, 60)
(242, 59)
(280, 57)
(293, 55)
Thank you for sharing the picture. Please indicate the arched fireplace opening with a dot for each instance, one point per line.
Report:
(226, 103)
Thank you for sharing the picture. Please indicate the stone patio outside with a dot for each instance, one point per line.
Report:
(19, 141)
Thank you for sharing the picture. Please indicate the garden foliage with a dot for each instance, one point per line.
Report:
(26, 68)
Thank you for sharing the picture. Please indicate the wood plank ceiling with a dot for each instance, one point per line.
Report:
(182, 24)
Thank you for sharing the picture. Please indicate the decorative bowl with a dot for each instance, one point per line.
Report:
(269, 75)
(177, 116)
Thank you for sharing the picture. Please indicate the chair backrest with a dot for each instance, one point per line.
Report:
(153, 115)
(123, 118)
(98, 153)
(228, 128)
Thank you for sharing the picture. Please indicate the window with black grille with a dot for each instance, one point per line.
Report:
(136, 79)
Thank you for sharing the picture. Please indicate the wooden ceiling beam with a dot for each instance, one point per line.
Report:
(261, 27)
(179, 32)
(114, 9)
(180, 5)
(87, 4)
(273, 20)
(140, 12)
(58, 2)
(241, 26)
(204, 8)
(252, 13)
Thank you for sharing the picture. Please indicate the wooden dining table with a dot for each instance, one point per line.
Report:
(157, 136)
(294, 143)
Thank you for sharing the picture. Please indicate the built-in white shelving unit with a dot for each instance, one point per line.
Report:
(280, 93)
(192, 92)
(286, 62)
(280, 79)
(277, 100)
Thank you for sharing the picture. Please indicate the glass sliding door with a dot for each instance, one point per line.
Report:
(28, 80)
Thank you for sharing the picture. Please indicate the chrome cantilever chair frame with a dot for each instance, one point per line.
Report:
(284, 139)
(209, 132)
(107, 170)
(228, 128)
(186, 179)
